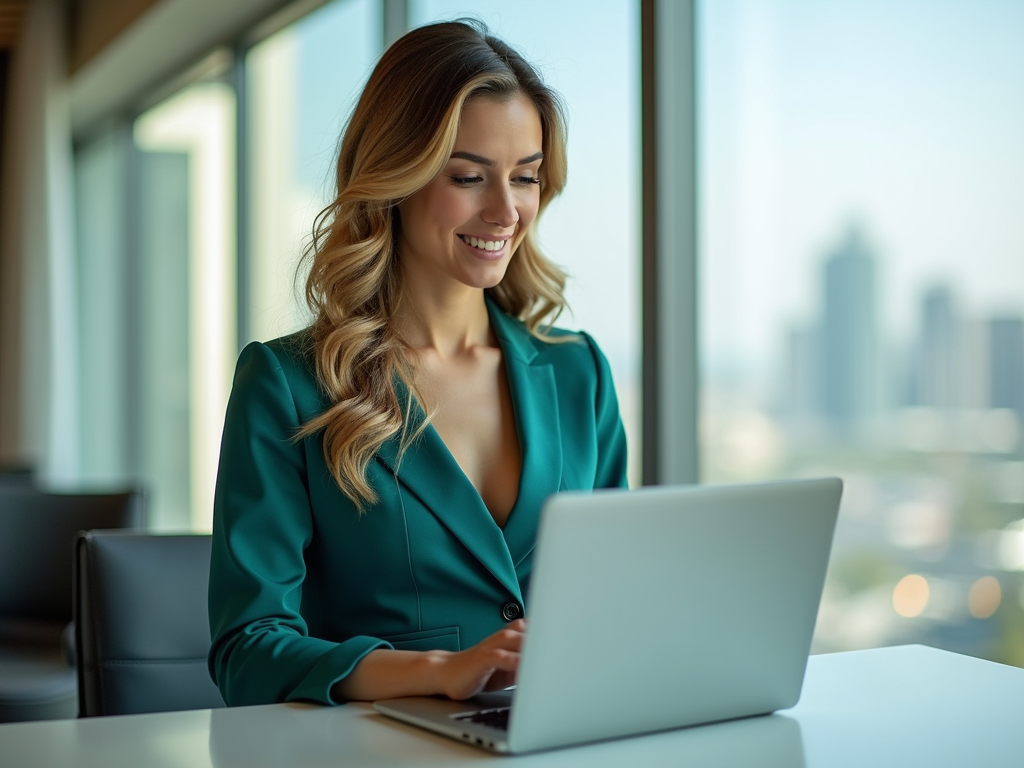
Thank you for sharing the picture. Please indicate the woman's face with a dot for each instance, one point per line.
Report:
(464, 226)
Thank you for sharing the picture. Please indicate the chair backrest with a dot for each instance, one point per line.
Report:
(37, 536)
(20, 475)
(141, 625)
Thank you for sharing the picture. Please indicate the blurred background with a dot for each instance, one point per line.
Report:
(857, 281)
(862, 297)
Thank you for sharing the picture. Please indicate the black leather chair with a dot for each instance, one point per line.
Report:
(141, 623)
(37, 534)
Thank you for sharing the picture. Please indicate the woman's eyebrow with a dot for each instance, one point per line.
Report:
(487, 161)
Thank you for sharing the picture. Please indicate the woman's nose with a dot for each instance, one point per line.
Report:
(501, 209)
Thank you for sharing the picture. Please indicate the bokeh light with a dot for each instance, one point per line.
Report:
(984, 598)
(910, 596)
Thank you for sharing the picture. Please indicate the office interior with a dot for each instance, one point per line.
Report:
(793, 227)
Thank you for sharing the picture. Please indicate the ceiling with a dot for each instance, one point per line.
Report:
(12, 12)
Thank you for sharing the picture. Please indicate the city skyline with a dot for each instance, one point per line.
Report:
(803, 130)
(841, 367)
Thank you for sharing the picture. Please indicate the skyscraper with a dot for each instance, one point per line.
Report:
(939, 358)
(801, 392)
(1006, 356)
(849, 351)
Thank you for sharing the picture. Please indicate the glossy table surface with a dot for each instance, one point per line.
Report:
(903, 706)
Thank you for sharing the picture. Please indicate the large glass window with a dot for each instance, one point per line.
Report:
(104, 290)
(862, 297)
(157, 286)
(591, 56)
(302, 85)
(184, 297)
(158, 279)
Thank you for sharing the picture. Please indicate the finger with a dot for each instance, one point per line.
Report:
(502, 659)
(508, 639)
(498, 665)
(474, 669)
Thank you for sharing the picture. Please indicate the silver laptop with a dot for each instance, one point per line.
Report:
(655, 609)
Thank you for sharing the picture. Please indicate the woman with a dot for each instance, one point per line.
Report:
(382, 472)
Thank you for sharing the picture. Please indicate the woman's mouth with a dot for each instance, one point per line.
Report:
(482, 244)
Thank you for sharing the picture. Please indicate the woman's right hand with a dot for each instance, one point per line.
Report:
(490, 665)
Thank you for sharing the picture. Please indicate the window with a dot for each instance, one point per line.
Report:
(862, 283)
(185, 288)
(159, 287)
(156, 297)
(104, 290)
(593, 231)
(302, 85)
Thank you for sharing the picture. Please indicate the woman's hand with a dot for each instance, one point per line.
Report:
(490, 665)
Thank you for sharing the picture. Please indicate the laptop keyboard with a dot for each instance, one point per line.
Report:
(495, 718)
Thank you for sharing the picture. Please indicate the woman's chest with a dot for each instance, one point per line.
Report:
(472, 412)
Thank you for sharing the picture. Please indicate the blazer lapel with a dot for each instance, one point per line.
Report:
(429, 471)
(535, 402)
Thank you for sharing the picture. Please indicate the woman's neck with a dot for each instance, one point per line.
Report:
(448, 326)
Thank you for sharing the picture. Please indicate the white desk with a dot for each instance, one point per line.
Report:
(906, 706)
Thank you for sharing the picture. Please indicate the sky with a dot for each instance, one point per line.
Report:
(903, 117)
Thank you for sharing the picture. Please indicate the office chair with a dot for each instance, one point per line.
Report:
(37, 533)
(20, 475)
(141, 625)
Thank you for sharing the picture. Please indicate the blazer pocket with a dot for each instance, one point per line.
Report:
(441, 639)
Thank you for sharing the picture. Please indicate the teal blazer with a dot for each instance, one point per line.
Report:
(302, 587)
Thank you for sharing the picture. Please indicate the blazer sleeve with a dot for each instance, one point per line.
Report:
(612, 464)
(261, 650)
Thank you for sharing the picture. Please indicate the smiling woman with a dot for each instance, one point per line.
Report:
(457, 237)
(382, 471)
(466, 223)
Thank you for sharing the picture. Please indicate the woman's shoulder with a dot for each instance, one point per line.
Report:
(288, 361)
(573, 349)
(295, 350)
(291, 354)
(552, 345)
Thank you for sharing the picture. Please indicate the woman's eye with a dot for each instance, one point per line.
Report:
(466, 181)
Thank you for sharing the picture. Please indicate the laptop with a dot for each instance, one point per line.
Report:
(656, 609)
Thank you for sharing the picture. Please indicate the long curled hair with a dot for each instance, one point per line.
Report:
(399, 138)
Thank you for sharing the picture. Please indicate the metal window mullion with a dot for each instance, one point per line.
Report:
(132, 286)
(396, 20)
(243, 255)
(671, 374)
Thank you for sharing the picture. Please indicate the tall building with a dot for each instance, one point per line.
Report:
(801, 388)
(849, 334)
(975, 365)
(1006, 364)
(939, 355)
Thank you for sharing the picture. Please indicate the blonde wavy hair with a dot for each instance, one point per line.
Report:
(398, 139)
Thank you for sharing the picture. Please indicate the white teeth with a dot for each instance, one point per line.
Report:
(484, 245)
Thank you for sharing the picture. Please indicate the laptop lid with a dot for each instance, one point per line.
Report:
(670, 606)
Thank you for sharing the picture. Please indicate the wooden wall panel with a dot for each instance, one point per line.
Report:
(95, 23)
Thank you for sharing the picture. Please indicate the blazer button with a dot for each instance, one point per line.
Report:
(511, 611)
